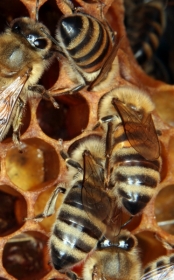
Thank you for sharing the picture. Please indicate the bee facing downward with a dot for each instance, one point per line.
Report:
(25, 53)
(133, 149)
(87, 208)
(90, 47)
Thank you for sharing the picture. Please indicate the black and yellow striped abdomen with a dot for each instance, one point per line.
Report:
(86, 40)
(161, 268)
(133, 178)
(145, 26)
(74, 234)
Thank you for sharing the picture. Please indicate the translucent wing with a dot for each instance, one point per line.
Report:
(8, 99)
(140, 133)
(96, 200)
(114, 224)
(161, 273)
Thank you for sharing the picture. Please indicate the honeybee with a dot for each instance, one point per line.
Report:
(160, 269)
(89, 46)
(25, 53)
(145, 23)
(134, 160)
(87, 208)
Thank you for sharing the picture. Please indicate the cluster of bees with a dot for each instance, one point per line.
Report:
(107, 174)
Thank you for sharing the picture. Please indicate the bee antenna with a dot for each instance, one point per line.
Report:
(37, 10)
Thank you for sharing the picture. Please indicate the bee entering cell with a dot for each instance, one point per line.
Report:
(25, 256)
(36, 165)
(67, 122)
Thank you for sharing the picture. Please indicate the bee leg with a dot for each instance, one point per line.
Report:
(49, 209)
(73, 90)
(70, 161)
(105, 119)
(17, 123)
(44, 93)
(108, 151)
(72, 275)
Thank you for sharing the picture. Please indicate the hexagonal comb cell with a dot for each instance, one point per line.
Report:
(37, 164)
(25, 256)
(13, 210)
(67, 121)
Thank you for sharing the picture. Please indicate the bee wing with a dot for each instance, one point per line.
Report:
(114, 225)
(161, 273)
(95, 199)
(9, 96)
(141, 134)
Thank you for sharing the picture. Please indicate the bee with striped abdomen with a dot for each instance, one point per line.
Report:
(134, 151)
(87, 208)
(90, 47)
(145, 22)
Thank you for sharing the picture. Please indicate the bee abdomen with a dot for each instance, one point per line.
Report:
(86, 40)
(135, 180)
(73, 235)
(161, 262)
(145, 31)
(133, 202)
(69, 246)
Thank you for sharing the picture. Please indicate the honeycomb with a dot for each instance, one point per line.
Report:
(28, 178)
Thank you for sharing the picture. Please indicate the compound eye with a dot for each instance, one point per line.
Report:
(40, 43)
(16, 28)
(130, 243)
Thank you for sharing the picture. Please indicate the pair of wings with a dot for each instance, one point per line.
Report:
(96, 200)
(141, 133)
(8, 98)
